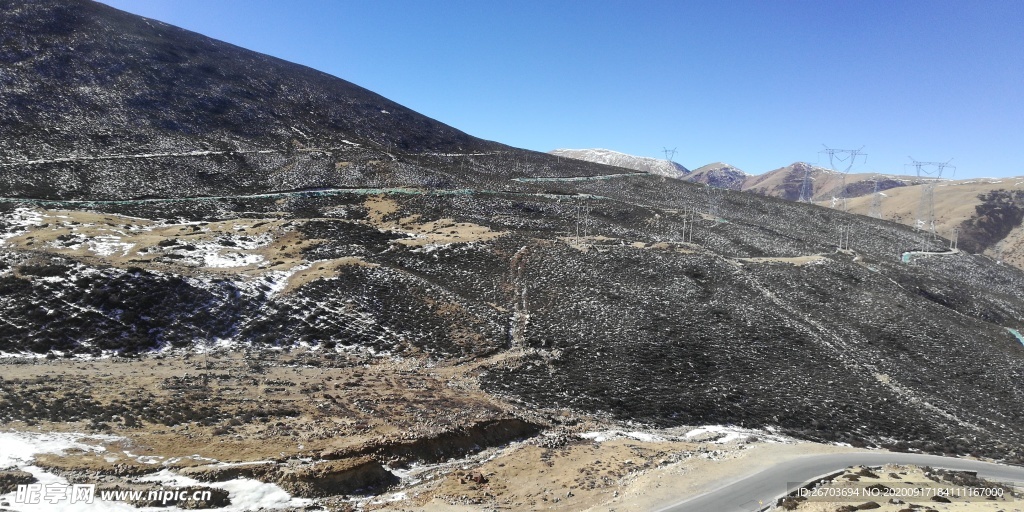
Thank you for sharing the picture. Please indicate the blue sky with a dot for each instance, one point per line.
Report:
(757, 84)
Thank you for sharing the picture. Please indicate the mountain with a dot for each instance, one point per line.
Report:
(719, 175)
(99, 103)
(637, 163)
(823, 184)
(785, 182)
(987, 213)
(337, 309)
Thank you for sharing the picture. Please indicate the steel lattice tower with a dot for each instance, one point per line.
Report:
(714, 199)
(806, 187)
(847, 156)
(876, 201)
(929, 173)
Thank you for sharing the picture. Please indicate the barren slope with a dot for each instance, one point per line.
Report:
(956, 202)
(438, 294)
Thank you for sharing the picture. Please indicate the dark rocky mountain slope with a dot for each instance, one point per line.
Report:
(641, 297)
(104, 103)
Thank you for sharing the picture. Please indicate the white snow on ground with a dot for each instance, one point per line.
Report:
(607, 435)
(18, 449)
(644, 164)
(728, 433)
(45, 478)
(732, 433)
(230, 259)
(24, 355)
(246, 494)
(21, 218)
(717, 434)
(215, 255)
(278, 279)
(107, 245)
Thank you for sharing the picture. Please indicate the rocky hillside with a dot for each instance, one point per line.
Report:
(101, 103)
(719, 175)
(825, 184)
(983, 210)
(785, 182)
(570, 285)
(636, 163)
(986, 212)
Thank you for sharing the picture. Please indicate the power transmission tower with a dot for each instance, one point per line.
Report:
(843, 156)
(582, 219)
(806, 186)
(954, 238)
(844, 231)
(876, 201)
(714, 199)
(929, 173)
(669, 154)
(688, 224)
(693, 222)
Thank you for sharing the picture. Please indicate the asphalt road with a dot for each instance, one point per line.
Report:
(756, 491)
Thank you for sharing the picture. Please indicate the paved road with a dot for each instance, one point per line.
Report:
(747, 494)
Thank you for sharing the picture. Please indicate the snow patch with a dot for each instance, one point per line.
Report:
(658, 166)
(21, 219)
(607, 435)
(725, 434)
(245, 493)
(20, 449)
(108, 245)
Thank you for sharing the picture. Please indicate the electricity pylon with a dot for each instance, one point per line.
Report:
(714, 199)
(876, 201)
(669, 154)
(806, 187)
(929, 173)
(582, 219)
(847, 156)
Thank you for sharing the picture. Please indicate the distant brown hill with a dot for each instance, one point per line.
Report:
(986, 211)
(787, 182)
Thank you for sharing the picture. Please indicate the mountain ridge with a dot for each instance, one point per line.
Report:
(617, 159)
(445, 283)
(136, 87)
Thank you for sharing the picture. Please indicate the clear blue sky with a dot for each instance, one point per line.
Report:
(757, 84)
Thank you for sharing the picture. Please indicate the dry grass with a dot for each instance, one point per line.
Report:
(345, 403)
